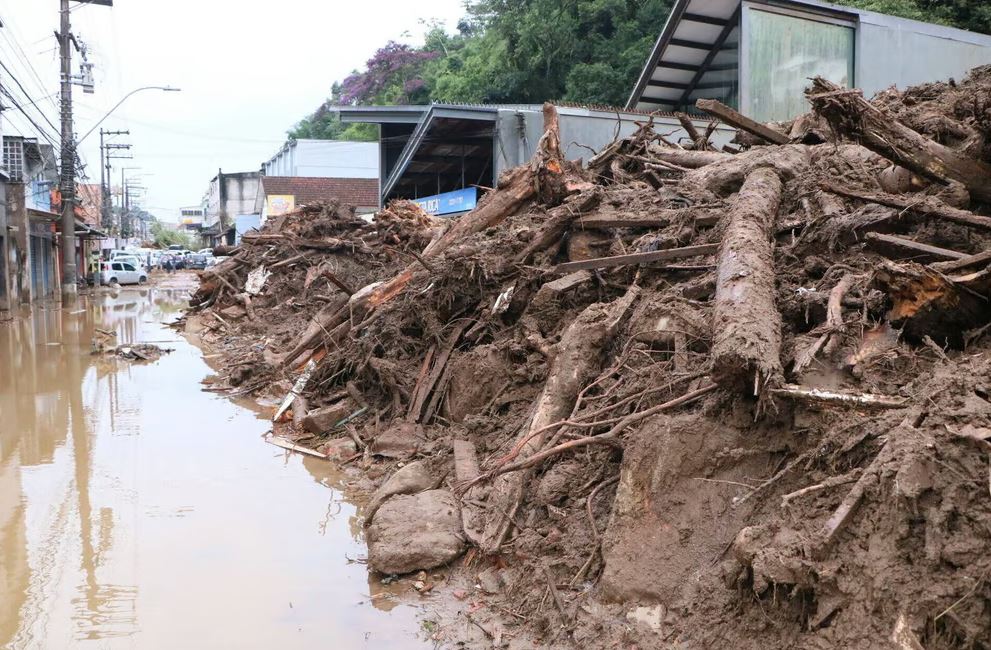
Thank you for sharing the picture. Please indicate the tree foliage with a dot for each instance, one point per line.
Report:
(530, 51)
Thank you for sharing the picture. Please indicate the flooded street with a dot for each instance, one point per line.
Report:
(137, 511)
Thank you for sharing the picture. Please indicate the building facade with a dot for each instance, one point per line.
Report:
(229, 195)
(325, 159)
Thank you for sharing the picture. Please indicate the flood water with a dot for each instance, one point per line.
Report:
(137, 511)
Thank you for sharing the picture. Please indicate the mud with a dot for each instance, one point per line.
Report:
(837, 497)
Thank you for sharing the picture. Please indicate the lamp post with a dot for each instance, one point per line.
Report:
(168, 89)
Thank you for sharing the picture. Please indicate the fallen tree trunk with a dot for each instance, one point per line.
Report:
(746, 351)
(685, 158)
(852, 115)
(577, 362)
(733, 118)
(928, 206)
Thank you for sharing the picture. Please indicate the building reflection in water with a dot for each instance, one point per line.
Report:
(52, 393)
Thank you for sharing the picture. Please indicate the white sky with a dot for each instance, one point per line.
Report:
(248, 71)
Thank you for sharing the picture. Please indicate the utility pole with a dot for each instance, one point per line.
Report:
(106, 217)
(68, 171)
(68, 176)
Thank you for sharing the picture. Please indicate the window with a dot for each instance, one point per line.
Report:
(128, 267)
(783, 51)
(117, 267)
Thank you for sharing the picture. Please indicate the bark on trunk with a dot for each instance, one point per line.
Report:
(577, 362)
(850, 114)
(746, 349)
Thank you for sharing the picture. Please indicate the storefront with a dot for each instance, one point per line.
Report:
(41, 258)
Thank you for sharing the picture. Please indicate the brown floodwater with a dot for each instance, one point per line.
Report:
(138, 511)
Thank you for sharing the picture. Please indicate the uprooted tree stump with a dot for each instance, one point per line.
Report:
(851, 115)
(746, 353)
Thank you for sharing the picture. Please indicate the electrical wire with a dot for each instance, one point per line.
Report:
(40, 130)
(27, 96)
(10, 35)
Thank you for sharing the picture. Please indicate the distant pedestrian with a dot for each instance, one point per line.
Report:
(169, 266)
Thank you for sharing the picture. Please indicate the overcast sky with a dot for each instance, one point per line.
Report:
(248, 71)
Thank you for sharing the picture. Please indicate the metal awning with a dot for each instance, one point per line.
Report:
(85, 231)
(449, 141)
(697, 54)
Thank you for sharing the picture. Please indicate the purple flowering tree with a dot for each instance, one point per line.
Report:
(391, 76)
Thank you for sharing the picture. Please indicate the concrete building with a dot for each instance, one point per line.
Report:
(325, 159)
(31, 270)
(757, 55)
(228, 196)
(442, 153)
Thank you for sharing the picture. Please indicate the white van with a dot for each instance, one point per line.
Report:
(122, 271)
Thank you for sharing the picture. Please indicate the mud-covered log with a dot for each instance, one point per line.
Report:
(740, 121)
(929, 206)
(686, 158)
(852, 115)
(577, 362)
(746, 351)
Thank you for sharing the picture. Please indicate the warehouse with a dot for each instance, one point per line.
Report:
(757, 55)
(445, 153)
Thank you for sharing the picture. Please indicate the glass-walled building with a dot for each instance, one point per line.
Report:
(757, 55)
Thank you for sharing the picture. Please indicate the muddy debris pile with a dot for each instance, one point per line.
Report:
(680, 396)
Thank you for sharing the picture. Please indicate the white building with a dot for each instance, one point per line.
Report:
(325, 159)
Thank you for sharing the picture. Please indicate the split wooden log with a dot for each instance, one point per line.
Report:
(852, 115)
(900, 247)
(578, 361)
(740, 121)
(925, 302)
(928, 206)
(746, 351)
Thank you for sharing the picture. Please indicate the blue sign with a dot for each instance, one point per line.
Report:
(449, 202)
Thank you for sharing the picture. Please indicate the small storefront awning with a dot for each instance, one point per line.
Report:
(85, 231)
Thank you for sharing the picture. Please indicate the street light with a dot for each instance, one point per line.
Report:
(168, 89)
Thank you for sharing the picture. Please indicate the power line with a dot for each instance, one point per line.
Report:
(27, 95)
(39, 129)
(21, 55)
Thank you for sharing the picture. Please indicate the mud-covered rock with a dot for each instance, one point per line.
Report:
(398, 441)
(416, 532)
(324, 419)
(411, 479)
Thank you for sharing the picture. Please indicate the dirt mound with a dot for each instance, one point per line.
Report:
(685, 396)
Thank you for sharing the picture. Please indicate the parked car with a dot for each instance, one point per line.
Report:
(122, 273)
(213, 260)
(197, 261)
(175, 247)
(205, 251)
(133, 260)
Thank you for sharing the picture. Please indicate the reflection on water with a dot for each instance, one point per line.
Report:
(138, 511)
